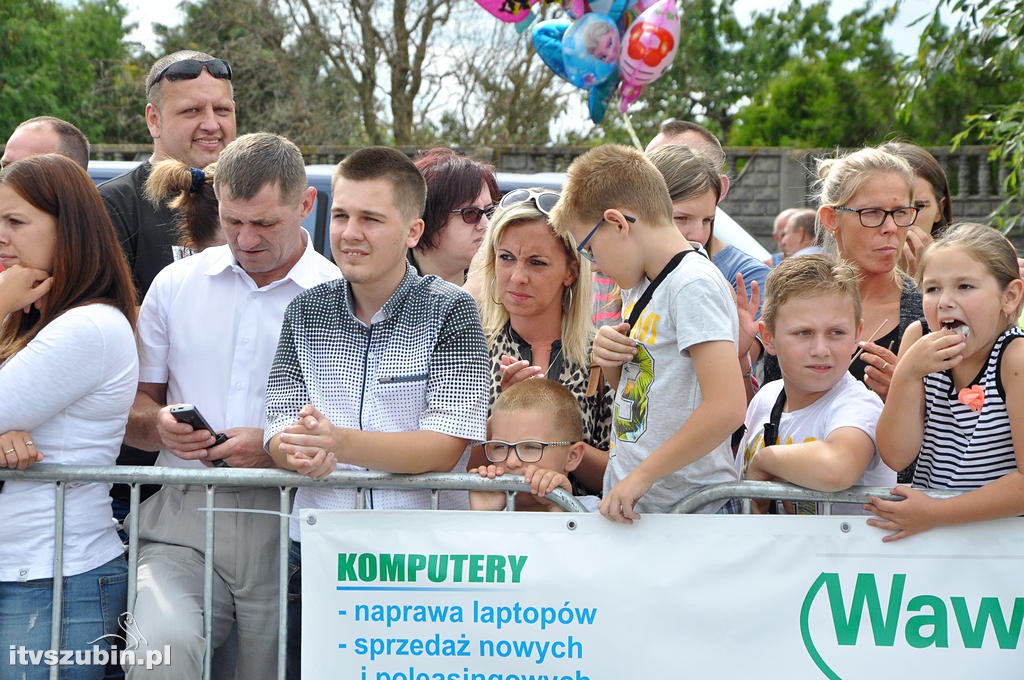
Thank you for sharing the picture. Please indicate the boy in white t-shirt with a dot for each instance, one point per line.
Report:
(820, 432)
(679, 388)
(535, 430)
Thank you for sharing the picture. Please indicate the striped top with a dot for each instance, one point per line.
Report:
(961, 448)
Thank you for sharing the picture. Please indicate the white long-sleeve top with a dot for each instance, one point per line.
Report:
(71, 388)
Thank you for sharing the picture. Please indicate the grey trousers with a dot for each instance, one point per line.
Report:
(169, 605)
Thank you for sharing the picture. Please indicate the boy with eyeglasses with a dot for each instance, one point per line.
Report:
(536, 430)
(673, 363)
(816, 426)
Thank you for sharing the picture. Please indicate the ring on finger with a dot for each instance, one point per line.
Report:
(885, 365)
(29, 442)
(8, 452)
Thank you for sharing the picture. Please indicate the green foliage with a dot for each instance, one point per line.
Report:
(68, 62)
(981, 55)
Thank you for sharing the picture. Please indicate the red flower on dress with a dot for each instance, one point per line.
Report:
(972, 397)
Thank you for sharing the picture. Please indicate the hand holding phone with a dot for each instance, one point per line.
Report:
(190, 415)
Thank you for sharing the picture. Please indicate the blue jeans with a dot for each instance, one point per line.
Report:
(294, 645)
(92, 603)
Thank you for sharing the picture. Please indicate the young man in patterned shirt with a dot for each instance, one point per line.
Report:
(382, 370)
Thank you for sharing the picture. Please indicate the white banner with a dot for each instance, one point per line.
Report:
(531, 596)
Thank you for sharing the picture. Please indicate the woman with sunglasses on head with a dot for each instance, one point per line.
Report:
(460, 197)
(536, 311)
(68, 376)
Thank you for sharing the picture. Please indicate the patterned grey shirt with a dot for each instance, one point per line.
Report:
(421, 364)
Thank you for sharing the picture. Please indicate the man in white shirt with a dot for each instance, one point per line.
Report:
(208, 330)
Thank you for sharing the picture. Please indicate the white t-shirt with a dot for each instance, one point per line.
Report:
(658, 389)
(209, 333)
(71, 389)
(848, 404)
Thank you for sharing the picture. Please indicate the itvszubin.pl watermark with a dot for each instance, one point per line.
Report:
(126, 653)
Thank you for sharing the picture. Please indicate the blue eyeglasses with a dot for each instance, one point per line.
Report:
(584, 250)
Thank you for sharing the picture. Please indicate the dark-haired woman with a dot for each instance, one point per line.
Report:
(68, 376)
(460, 196)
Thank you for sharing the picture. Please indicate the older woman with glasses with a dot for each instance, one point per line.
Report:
(460, 198)
(535, 306)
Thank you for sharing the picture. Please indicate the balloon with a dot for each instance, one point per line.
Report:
(648, 49)
(612, 8)
(590, 49)
(509, 11)
(547, 40)
(601, 95)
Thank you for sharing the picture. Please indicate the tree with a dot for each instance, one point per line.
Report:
(64, 62)
(383, 52)
(991, 31)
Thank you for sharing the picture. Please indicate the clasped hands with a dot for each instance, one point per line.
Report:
(309, 444)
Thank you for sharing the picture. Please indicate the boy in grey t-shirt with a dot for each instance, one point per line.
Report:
(679, 388)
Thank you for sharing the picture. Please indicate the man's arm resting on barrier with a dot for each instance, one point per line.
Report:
(312, 444)
(831, 464)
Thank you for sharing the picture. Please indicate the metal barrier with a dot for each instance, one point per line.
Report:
(745, 491)
(61, 475)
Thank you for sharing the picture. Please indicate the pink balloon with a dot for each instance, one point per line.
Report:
(509, 11)
(648, 49)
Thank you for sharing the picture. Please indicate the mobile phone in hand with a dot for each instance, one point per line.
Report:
(188, 413)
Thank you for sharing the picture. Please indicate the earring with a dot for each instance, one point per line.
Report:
(567, 304)
(491, 293)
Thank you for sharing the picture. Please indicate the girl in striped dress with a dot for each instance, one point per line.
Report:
(957, 397)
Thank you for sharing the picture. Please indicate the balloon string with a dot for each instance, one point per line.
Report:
(631, 131)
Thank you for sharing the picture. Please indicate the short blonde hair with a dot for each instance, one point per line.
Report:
(612, 176)
(577, 324)
(806, 276)
(541, 394)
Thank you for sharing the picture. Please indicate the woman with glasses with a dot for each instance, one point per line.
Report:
(460, 197)
(68, 376)
(535, 306)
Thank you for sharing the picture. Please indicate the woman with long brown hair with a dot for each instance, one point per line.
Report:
(68, 376)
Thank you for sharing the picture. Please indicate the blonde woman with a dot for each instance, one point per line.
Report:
(535, 307)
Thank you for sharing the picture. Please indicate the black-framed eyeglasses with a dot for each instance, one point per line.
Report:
(527, 451)
(584, 248)
(544, 200)
(873, 218)
(471, 214)
(189, 69)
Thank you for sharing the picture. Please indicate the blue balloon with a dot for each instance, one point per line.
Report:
(601, 95)
(590, 50)
(547, 40)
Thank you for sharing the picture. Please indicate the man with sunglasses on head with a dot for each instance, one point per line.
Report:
(190, 112)
(382, 370)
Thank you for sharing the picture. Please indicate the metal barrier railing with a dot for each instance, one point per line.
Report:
(61, 475)
(211, 478)
(745, 491)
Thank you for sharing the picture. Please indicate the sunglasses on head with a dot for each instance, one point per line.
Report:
(189, 69)
(544, 200)
(472, 214)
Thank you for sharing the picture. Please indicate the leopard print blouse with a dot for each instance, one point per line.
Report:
(597, 410)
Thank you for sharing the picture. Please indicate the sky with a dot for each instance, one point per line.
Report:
(145, 13)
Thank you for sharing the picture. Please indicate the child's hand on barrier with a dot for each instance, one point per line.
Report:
(612, 347)
(617, 505)
(914, 514)
(488, 500)
(544, 480)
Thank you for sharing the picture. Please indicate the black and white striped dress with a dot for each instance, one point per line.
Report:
(961, 448)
